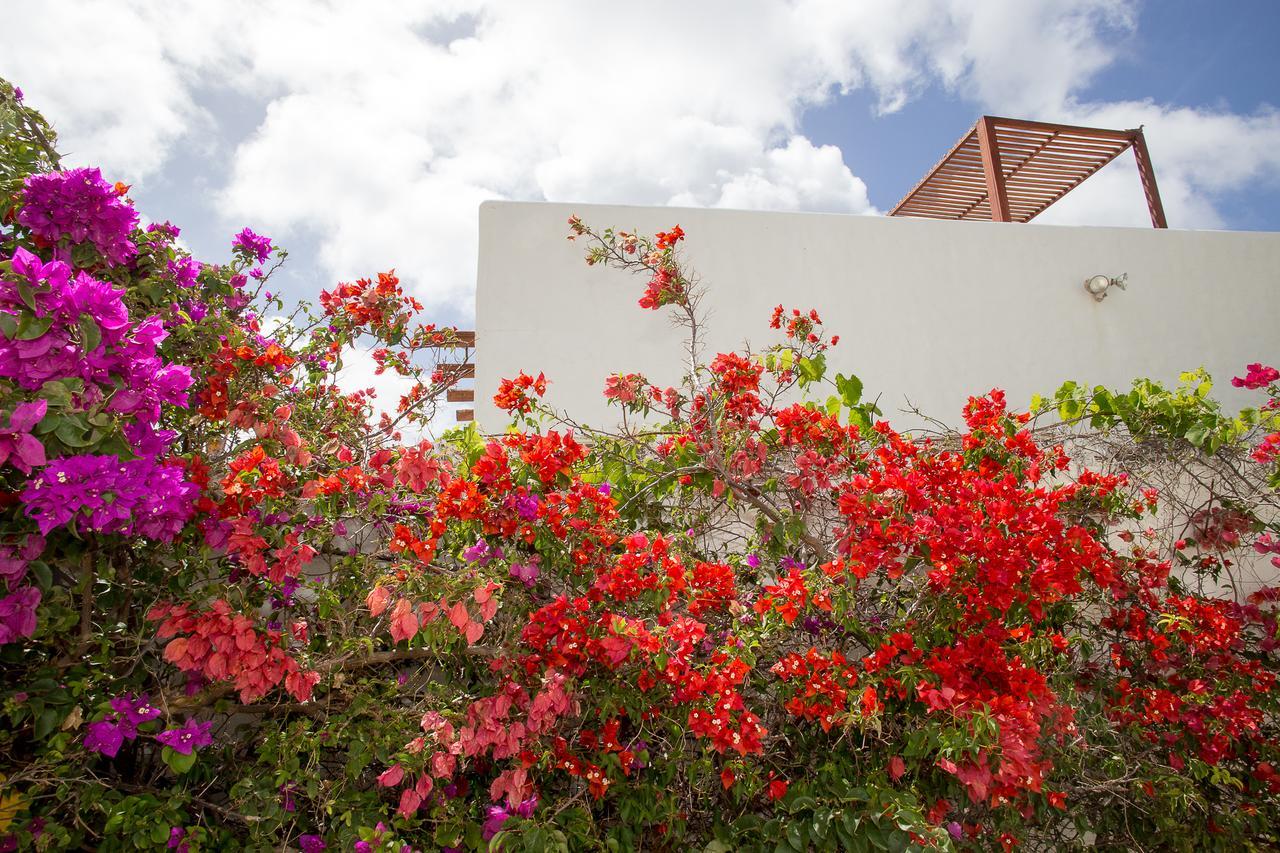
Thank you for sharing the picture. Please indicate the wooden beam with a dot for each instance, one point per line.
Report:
(1148, 175)
(990, 149)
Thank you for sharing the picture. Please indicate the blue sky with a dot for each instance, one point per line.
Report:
(1190, 53)
(364, 136)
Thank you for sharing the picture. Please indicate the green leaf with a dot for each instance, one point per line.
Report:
(178, 762)
(850, 388)
(46, 722)
(28, 297)
(71, 434)
(43, 574)
(33, 327)
(56, 393)
(90, 334)
(811, 369)
(1197, 434)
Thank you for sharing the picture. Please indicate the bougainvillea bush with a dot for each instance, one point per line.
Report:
(241, 611)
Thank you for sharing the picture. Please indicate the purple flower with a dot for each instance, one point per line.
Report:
(107, 495)
(184, 271)
(481, 553)
(104, 736)
(132, 712)
(123, 360)
(252, 244)
(80, 206)
(187, 738)
(955, 831)
(17, 94)
(638, 763)
(310, 843)
(164, 229)
(527, 572)
(363, 847)
(17, 445)
(526, 807)
(176, 834)
(18, 614)
(753, 560)
(527, 507)
(13, 564)
(497, 816)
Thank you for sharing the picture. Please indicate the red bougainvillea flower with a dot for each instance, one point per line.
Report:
(514, 394)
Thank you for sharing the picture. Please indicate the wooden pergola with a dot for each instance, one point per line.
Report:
(1010, 170)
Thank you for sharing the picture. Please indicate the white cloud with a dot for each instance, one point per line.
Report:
(104, 80)
(1198, 155)
(388, 122)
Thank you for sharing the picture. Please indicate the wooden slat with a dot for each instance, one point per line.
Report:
(1022, 166)
(460, 395)
(465, 415)
(459, 371)
(1093, 132)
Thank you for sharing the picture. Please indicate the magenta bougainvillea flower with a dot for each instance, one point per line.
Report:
(18, 446)
(80, 206)
(14, 560)
(177, 839)
(496, 816)
(120, 363)
(252, 244)
(1258, 376)
(104, 494)
(104, 736)
(184, 270)
(187, 738)
(128, 712)
(18, 614)
(526, 572)
(132, 711)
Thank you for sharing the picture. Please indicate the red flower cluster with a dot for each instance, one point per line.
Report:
(377, 305)
(221, 645)
(513, 394)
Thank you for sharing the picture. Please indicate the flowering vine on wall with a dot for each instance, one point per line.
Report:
(241, 610)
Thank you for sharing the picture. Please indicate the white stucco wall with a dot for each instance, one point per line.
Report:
(927, 311)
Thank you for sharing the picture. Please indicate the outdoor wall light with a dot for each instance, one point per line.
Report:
(1098, 285)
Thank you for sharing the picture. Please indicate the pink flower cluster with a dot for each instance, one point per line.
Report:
(80, 206)
(127, 713)
(1258, 376)
(253, 245)
(105, 494)
(18, 446)
(87, 335)
(18, 608)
